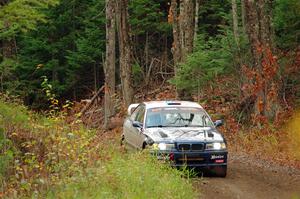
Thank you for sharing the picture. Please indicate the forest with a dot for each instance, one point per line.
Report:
(70, 68)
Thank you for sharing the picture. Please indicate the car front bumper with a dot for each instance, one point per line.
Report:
(203, 159)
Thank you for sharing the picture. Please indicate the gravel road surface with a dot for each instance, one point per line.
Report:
(248, 177)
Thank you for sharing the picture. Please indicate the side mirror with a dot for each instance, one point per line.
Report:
(218, 123)
(131, 108)
(137, 124)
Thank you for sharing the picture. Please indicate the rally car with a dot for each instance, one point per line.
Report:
(180, 131)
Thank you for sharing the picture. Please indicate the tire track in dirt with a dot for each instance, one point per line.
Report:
(248, 177)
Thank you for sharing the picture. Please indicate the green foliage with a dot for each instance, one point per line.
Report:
(8, 82)
(22, 15)
(151, 32)
(137, 74)
(67, 50)
(69, 47)
(215, 52)
(127, 176)
(35, 144)
(213, 15)
(46, 157)
(210, 58)
(148, 16)
(7, 153)
(66, 43)
(287, 23)
(13, 114)
(54, 103)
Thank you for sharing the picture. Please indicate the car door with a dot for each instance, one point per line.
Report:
(138, 136)
(128, 129)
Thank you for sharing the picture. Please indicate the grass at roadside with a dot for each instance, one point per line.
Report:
(126, 176)
(293, 129)
(49, 158)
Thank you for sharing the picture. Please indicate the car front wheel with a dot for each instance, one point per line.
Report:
(122, 140)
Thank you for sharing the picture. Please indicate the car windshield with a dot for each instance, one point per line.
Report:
(177, 117)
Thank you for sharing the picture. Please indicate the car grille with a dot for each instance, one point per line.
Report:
(197, 147)
(190, 147)
(184, 147)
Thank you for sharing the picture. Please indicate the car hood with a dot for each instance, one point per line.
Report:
(183, 134)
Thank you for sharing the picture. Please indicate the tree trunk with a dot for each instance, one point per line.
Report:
(264, 23)
(252, 28)
(196, 18)
(176, 47)
(110, 62)
(235, 23)
(125, 51)
(243, 13)
(186, 27)
(259, 32)
(269, 64)
(183, 20)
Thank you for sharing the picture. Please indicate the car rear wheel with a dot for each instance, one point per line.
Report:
(220, 171)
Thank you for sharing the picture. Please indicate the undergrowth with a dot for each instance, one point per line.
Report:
(45, 157)
(126, 176)
(280, 145)
(293, 129)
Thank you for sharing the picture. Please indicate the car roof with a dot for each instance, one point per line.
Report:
(160, 104)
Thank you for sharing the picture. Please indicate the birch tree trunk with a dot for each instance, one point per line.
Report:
(125, 51)
(110, 62)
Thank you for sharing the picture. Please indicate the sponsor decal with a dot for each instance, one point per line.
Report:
(217, 157)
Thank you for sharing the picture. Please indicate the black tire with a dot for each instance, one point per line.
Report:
(220, 171)
(123, 144)
(122, 141)
(144, 146)
(199, 172)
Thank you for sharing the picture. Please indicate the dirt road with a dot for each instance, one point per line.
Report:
(251, 178)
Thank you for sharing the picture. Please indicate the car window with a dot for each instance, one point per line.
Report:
(140, 115)
(135, 112)
(177, 117)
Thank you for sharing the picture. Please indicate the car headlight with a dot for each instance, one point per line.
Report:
(216, 146)
(163, 146)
